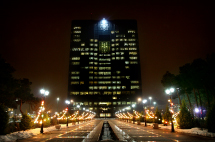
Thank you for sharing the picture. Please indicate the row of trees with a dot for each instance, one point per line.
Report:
(14, 92)
(195, 84)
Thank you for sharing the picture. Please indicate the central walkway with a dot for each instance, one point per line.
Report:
(127, 132)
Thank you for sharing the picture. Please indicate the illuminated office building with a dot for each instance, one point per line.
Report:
(104, 66)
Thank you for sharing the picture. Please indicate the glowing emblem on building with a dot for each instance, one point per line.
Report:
(104, 24)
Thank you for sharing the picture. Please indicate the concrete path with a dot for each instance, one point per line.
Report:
(85, 132)
(139, 133)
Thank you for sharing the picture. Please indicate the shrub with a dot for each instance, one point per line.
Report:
(210, 119)
(26, 122)
(167, 115)
(184, 117)
(158, 117)
(4, 119)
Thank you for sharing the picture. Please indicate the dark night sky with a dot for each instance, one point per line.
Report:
(36, 39)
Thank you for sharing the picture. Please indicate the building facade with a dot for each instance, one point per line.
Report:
(104, 66)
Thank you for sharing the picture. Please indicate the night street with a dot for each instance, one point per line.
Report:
(90, 132)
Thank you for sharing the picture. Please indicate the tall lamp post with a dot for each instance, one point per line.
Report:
(150, 98)
(144, 102)
(67, 102)
(133, 112)
(44, 93)
(169, 92)
(57, 110)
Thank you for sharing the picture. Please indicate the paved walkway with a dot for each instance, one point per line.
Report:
(139, 133)
(85, 132)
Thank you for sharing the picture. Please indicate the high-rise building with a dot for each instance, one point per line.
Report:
(104, 66)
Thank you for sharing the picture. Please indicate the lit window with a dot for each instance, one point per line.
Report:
(127, 77)
(135, 87)
(91, 49)
(82, 44)
(74, 82)
(126, 48)
(90, 58)
(112, 45)
(96, 45)
(76, 40)
(116, 31)
(91, 44)
(113, 77)
(117, 44)
(91, 67)
(133, 35)
(122, 48)
(75, 58)
(113, 58)
(125, 44)
(113, 54)
(132, 53)
(134, 82)
(123, 87)
(75, 63)
(114, 98)
(95, 49)
(122, 58)
(90, 72)
(131, 39)
(95, 54)
(76, 36)
(118, 92)
(133, 58)
(74, 93)
(127, 67)
(118, 82)
(91, 40)
(112, 40)
(118, 77)
(118, 72)
(75, 77)
(96, 40)
(77, 28)
(126, 62)
(132, 44)
(95, 73)
(91, 82)
(90, 77)
(120, 39)
(86, 53)
(75, 72)
(117, 58)
(118, 87)
(112, 32)
(113, 49)
(133, 62)
(131, 31)
(113, 82)
(125, 39)
(123, 102)
(133, 48)
(95, 68)
(77, 32)
(95, 87)
(81, 82)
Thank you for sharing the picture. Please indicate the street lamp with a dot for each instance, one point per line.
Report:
(44, 93)
(133, 112)
(57, 110)
(154, 103)
(144, 102)
(169, 92)
(67, 102)
(150, 100)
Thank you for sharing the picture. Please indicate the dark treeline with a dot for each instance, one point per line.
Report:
(195, 82)
(14, 92)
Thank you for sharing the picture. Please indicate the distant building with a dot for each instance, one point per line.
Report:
(104, 66)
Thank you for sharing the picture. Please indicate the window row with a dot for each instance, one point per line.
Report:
(123, 39)
(106, 87)
(104, 103)
(109, 77)
(104, 82)
(93, 40)
(103, 93)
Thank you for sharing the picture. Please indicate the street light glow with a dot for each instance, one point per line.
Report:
(67, 102)
(42, 91)
(150, 98)
(78, 106)
(139, 99)
(133, 105)
(154, 103)
(144, 101)
(172, 89)
(167, 91)
(58, 99)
